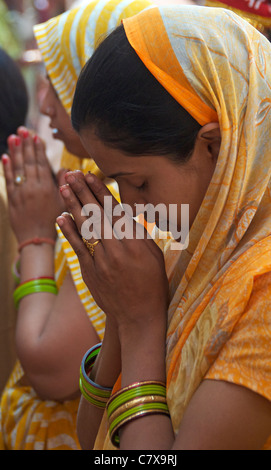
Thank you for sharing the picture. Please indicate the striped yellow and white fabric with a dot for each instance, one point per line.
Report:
(94, 313)
(68, 41)
(26, 421)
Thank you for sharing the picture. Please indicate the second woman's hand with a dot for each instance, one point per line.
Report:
(33, 196)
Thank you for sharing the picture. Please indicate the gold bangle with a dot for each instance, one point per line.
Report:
(135, 385)
(139, 414)
(134, 402)
(92, 395)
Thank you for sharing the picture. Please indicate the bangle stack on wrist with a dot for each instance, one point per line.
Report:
(134, 402)
(92, 392)
(34, 286)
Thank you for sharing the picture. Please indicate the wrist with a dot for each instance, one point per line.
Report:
(143, 355)
(37, 261)
(36, 241)
(139, 333)
(108, 364)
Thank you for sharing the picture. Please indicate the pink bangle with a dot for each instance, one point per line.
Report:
(36, 241)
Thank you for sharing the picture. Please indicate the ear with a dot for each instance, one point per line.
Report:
(210, 137)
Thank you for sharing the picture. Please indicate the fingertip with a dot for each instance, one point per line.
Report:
(37, 140)
(71, 175)
(65, 190)
(23, 132)
(95, 184)
(90, 177)
(60, 221)
(5, 159)
(11, 140)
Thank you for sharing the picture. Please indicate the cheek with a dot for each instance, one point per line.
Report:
(127, 195)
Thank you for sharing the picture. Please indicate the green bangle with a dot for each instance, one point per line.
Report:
(132, 414)
(33, 290)
(92, 392)
(36, 282)
(135, 391)
(135, 401)
(33, 287)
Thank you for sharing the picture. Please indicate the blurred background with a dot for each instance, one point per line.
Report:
(17, 18)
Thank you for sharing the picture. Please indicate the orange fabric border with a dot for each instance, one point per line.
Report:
(140, 32)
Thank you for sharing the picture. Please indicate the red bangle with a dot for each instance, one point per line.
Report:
(38, 279)
(36, 241)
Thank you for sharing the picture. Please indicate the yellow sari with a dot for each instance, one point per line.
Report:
(66, 42)
(218, 67)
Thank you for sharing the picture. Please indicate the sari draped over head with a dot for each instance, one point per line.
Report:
(26, 421)
(68, 41)
(218, 67)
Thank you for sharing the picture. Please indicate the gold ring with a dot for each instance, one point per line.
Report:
(90, 246)
(19, 180)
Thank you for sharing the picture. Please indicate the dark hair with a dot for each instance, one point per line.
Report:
(127, 107)
(13, 99)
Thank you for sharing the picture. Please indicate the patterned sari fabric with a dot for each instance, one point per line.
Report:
(66, 42)
(218, 67)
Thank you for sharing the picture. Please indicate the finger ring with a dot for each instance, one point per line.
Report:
(19, 180)
(90, 246)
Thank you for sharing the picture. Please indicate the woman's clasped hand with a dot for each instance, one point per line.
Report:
(129, 291)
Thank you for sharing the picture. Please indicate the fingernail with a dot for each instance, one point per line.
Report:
(5, 159)
(12, 140)
(60, 221)
(25, 133)
(90, 177)
(17, 141)
(36, 139)
(70, 178)
(65, 190)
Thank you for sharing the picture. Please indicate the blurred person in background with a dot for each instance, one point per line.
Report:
(8, 38)
(13, 112)
(257, 13)
(40, 402)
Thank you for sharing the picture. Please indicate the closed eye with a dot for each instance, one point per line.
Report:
(141, 187)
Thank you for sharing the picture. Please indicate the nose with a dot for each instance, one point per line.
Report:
(45, 104)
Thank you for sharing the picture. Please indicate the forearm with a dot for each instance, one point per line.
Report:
(34, 310)
(143, 359)
(53, 332)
